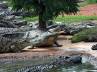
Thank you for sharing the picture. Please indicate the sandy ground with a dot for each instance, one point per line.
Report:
(67, 49)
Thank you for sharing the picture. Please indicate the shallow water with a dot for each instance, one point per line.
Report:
(13, 66)
(86, 67)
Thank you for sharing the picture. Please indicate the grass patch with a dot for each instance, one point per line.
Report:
(88, 35)
(75, 18)
(87, 2)
(91, 1)
(29, 19)
(67, 19)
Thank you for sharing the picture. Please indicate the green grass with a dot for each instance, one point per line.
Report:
(82, 4)
(67, 19)
(91, 1)
(31, 18)
(75, 18)
(87, 2)
(87, 35)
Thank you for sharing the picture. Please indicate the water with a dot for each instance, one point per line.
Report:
(89, 64)
(86, 67)
(13, 66)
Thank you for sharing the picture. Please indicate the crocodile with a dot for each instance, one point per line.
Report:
(16, 39)
(14, 35)
(60, 61)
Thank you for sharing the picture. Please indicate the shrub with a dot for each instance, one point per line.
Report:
(87, 35)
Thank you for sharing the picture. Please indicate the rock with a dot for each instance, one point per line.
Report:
(94, 47)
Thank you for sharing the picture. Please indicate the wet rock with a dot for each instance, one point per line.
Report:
(94, 47)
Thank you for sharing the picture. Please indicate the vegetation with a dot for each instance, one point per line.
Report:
(86, 2)
(67, 19)
(75, 18)
(91, 1)
(46, 9)
(88, 35)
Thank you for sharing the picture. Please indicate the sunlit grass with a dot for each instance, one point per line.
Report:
(75, 18)
(67, 18)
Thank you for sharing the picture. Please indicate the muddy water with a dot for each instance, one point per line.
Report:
(15, 66)
(86, 67)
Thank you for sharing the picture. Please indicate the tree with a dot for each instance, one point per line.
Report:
(46, 9)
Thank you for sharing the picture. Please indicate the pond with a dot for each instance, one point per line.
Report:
(26, 65)
(86, 67)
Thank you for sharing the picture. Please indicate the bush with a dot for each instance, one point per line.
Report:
(88, 35)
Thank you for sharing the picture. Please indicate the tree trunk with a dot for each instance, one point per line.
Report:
(42, 21)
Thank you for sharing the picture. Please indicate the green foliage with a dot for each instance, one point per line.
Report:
(50, 8)
(88, 35)
(91, 1)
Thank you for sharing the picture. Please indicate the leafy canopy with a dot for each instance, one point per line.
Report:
(51, 8)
